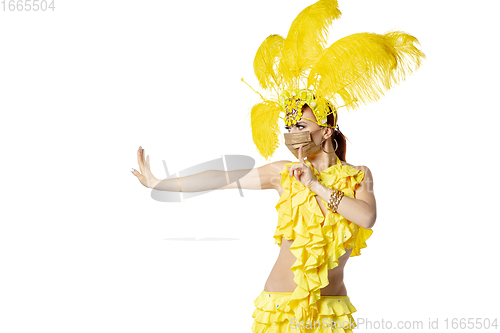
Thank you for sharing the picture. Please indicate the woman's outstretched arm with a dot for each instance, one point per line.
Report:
(262, 178)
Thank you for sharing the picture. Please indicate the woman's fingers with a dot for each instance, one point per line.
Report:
(136, 173)
(140, 159)
(145, 176)
(295, 171)
(141, 178)
(147, 168)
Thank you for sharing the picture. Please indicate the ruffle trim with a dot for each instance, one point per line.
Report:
(318, 241)
(271, 316)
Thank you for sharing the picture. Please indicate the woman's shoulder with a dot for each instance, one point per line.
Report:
(280, 165)
(363, 168)
(271, 174)
(364, 175)
(273, 168)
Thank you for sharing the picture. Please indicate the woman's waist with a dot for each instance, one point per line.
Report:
(286, 275)
(282, 280)
(286, 260)
(280, 294)
(331, 290)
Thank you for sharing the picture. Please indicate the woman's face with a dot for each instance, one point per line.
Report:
(306, 125)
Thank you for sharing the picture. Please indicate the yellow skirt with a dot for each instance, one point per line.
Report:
(334, 315)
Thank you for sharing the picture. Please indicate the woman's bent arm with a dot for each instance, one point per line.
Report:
(362, 210)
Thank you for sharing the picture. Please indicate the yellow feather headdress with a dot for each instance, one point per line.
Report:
(299, 69)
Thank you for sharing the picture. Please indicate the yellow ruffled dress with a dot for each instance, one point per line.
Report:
(318, 243)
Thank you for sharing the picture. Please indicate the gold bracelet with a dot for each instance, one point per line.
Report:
(337, 202)
(332, 198)
(334, 201)
(330, 202)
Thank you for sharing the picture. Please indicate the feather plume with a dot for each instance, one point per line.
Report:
(307, 37)
(265, 130)
(362, 66)
(265, 60)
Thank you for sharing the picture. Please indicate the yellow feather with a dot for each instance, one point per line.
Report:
(265, 130)
(362, 66)
(267, 56)
(307, 37)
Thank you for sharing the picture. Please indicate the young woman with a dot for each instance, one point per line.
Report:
(356, 211)
(326, 208)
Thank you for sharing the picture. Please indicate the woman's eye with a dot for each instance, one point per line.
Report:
(298, 126)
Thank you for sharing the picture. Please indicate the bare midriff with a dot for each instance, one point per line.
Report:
(281, 277)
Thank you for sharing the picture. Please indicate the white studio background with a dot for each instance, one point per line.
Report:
(83, 246)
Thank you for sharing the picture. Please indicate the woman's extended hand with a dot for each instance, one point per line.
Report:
(146, 178)
(302, 172)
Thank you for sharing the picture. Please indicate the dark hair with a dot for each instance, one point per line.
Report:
(337, 136)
